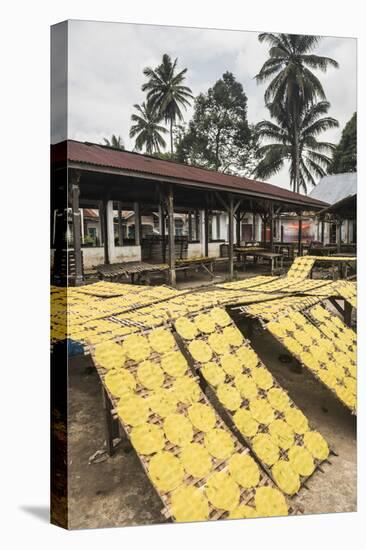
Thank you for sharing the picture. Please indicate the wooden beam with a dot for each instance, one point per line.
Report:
(322, 232)
(347, 313)
(171, 243)
(289, 204)
(224, 204)
(237, 205)
(74, 193)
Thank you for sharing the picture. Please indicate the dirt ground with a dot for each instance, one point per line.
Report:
(117, 492)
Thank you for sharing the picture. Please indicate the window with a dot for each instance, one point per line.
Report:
(178, 223)
(92, 232)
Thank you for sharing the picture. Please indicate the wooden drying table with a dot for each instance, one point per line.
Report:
(205, 263)
(134, 270)
(275, 259)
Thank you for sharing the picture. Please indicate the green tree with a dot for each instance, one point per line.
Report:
(314, 155)
(219, 136)
(147, 129)
(116, 142)
(345, 153)
(166, 93)
(293, 84)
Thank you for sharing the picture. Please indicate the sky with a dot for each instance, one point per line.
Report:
(106, 60)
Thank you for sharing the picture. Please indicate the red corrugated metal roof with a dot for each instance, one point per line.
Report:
(98, 155)
(90, 213)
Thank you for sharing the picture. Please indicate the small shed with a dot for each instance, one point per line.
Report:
(337, 223)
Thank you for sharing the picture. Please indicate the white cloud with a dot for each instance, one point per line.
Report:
(106, 62)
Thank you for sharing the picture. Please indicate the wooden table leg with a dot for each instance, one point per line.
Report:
(347, 313)
(108, 422)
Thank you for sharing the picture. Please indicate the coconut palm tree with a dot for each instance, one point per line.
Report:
(147, 129)
(293, 84)
(313, 154)
(116, 142)
(166, 92)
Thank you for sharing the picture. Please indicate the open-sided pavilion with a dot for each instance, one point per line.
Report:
(84, 174)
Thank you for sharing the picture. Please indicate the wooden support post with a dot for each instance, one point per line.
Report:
(271, 223)
(104, 222)
(110, 238)
(265, 230)
(120, 226)
(136, 208)
(101, 221)
(299, 236)
(197, 225)
(189, 227)
(322, 232)
(206, 232)
(74, 192)
(161, 218)
(163, 240)
(339, 235)
(231, 238)
(254, 226)
(162, 224)
(238, 223)
(82, 227)
(171, 243)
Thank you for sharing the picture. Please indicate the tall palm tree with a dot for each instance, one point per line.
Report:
(147, 129)
(293, 83)
(166, 92)
(313, 154)
(116, 142)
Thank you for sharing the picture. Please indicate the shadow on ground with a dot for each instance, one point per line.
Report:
(40, 512)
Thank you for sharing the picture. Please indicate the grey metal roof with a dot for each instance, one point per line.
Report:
(336, 187)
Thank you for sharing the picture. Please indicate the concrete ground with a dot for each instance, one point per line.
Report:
(117, 492)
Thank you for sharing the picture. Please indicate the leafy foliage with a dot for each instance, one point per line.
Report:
(166, 93)
(147, 129)
(345, 153)
(313, 154)
(293, 85)
(218, 136)
(116, 142)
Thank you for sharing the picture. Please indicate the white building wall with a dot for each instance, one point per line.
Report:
(94, 255)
